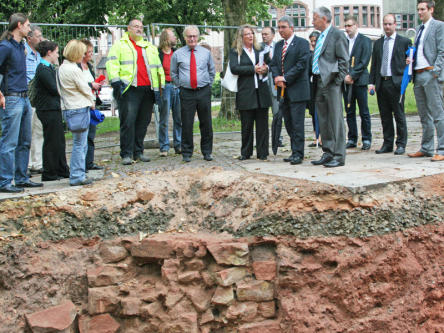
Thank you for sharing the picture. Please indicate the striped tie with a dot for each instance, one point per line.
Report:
(284, 50)
(317, 52)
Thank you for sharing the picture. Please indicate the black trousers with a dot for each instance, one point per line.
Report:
(359, 95)
(53, 151)
(192, 101)
(89, 160)
(248, 117)
(135, 110)
(389, 107)
(294, 119)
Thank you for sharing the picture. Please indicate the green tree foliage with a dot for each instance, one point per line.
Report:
(439, 10)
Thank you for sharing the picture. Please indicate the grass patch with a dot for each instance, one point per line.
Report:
(221, 125)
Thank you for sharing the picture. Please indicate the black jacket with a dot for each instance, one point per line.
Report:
(47, 96)
(359, 59)
(296, 66)
(397, 63)
(246, 96)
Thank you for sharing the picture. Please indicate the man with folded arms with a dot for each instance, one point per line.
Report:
(428, 78)
(15, 108)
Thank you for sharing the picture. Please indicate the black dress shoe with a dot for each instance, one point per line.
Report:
(366, 145)
(36, 171)
(263, 158)
(10, 189)
(324, 159)
(350, 144)
(178, 151)
(288, 159)
(296, 160)
(312, 145)
(334, 164)
(29, 183)
(208, 157)
(243, 158)
(95, 167)
(384, 150)
(399, 151)
(186, 158)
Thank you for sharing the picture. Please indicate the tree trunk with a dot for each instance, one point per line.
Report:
(234, 15)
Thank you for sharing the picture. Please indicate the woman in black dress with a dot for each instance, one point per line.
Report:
(253, 96)
(48, 109)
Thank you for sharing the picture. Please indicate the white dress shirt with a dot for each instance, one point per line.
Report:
(391, 43)
(421, 61)
(252, 56)
(351, 43)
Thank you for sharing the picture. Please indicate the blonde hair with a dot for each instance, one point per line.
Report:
(238, 43)
(74, 50)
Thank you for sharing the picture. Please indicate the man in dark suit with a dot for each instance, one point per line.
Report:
(329, 67)
(388, 63)
(429, 76)
(289, 67)
(360, 51)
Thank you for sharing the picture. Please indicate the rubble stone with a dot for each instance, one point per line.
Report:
(235, 254)
(103, 323)
(223, 296)
(257, 291)
(264, 270)
(58, 318)
(229, 276)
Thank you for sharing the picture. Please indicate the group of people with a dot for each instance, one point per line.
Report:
(332, 69)
(287, 76)
(28, 65)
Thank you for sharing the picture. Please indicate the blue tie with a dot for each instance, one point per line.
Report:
(317, 53)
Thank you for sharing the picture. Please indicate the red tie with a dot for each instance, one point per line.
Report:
(193, 70)
(284, 50)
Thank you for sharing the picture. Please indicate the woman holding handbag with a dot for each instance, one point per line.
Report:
(47, 104)
(76, 101)
(253, 97)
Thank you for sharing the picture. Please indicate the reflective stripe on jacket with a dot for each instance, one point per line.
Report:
(121, 64)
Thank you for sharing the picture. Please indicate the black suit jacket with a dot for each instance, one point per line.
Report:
(397, 63)
(296, 66)
(246, 96)
(360, 57)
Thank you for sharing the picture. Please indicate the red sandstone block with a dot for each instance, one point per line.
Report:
(235, 254)
(187, 277)
(103, 323)
(153, 249)
(267, 309)
(229, 276)
(223, 296)
(112, 253)
(101, 300)
(131, 306)
(245, 311)
(55, 319)
(104, 276)
(256, 291)
(268, 326)
(199, 296)
(264, 270)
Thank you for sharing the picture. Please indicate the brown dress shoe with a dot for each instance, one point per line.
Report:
(419, 154)
(437, 158)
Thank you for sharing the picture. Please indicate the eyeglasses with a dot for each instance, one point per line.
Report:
(349, 25)
(192, 36)
(137, 26)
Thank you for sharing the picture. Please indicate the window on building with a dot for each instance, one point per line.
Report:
(299, 14)
(405, 21)
(273, 21)
(366, 16)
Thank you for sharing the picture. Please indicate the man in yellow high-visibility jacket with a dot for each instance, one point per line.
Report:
(135, 72)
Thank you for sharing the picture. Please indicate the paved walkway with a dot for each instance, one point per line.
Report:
(362, 169)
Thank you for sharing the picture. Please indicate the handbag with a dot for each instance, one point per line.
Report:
(230, 80)
(77, 119)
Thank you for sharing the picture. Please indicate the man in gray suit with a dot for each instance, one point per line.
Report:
(429, 76)
(268, 44)
(330, 66)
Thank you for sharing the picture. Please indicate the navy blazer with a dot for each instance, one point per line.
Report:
(246, 96)
(296, 66)
(397, 63)
(360, 58)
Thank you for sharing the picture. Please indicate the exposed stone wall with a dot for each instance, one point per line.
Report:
(215, 283)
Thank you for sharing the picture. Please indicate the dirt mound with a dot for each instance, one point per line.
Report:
(190, 200)
(213, 283)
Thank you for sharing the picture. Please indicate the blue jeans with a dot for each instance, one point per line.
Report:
(15, 140)
(78, 155)
(169, 100)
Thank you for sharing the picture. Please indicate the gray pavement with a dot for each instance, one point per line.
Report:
(363, 169)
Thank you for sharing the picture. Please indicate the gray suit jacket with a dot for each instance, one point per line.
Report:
(273, 90)
(434, 47)
(333, 60)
